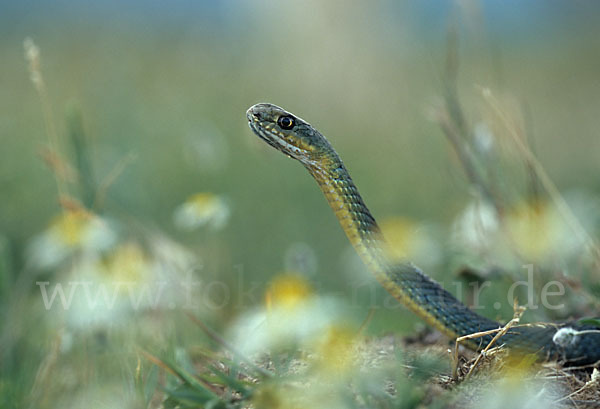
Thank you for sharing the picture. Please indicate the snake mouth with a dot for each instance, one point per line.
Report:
(260, 132)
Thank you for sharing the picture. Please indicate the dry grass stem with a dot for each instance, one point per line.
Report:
(110, 179)
(32, 56)
(547, 183)
(519, 310)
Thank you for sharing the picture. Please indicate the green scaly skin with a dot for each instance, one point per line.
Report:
(299, 140)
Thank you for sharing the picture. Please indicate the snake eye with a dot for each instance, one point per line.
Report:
(286, 122)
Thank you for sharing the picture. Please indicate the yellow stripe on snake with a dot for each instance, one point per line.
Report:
(577, 344)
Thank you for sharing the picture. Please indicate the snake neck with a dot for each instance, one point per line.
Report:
(356, 220)
(403, 281)
(425, 297)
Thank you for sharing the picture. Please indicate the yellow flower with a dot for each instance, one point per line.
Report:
(202, 209)
(70, 227)
(68, 233)
(400, 234)
(286, 325)
(409, 240)
(287, 291)
(536, 229)
(128, 263)
(335, 349)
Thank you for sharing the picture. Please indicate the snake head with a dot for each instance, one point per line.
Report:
(287, 133)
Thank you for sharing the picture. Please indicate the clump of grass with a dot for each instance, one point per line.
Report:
(394, 374)
(227, 379)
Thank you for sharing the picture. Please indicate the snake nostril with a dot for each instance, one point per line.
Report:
(253, 113)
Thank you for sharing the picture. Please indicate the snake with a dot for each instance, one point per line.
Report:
(571, 343)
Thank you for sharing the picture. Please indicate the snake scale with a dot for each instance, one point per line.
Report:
(575, 344)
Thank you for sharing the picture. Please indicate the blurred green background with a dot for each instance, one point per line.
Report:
(162, 89)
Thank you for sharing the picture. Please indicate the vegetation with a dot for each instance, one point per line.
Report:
(155, 253)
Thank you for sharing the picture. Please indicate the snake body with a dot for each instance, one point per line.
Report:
(577, 344)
